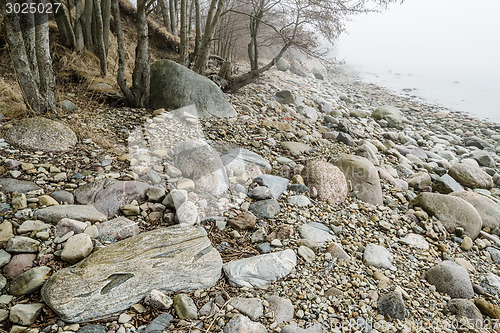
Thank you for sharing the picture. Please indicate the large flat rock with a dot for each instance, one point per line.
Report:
(108, 195)
(43, 134)
(54, 214)
(20, 186)
(174, 259)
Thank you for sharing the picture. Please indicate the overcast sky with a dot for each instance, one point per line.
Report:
(428, 35)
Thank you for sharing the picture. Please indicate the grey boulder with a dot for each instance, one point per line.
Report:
(108, 195)
(173, 259)
(488, 209)
(43, 134)
(259, 271)
(54, 214)
(452, 211)
(174, 86)
(471, 176)
(450, 278)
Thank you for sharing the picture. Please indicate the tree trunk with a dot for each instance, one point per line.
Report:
(35, 74)
(141, 74)
(87, 24)
(165, 14)
(79, 40)
(184, 34)
(197, 39)
(240, 81)
(27, 24)
(47, 77)
(106, 19)
(98, 37)
(66, 33)
(173, 18)
(212, 20)
(120, 76)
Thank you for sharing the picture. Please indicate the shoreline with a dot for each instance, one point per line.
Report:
(355, 261)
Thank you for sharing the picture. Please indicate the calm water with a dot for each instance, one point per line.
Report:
(444, 51)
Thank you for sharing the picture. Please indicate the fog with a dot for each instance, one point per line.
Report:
(441, 40)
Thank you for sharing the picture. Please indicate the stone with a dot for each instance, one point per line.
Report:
(22, 244)
(63, 197)
(488, 209)
(6, 232)
(54, 214)
(450, 278)
(174, 259)
(241, 324)
(92, 329)
(117, 229)
(259, 271)
(4, 257)
(248, 159)
(45, 200)
(159, 324)
(296, 148)
(463, 308)
(484, 159)
(202, 164)
(296, 329)
(245, 220)
(337, 251)
(187, 213)
(185, 184)
(30, 281)
(390, 114)
(298, 69)
(466, 243)
(19, 201)
(471, 176)
(250, 307)
(474, 141)
(282, 65)
(29, 226)
(174, 86)
(420, 179)
(41, 134)
(346, 139)
(66, 225)
(452, 211)
(329, 181)
(20, 186)
(495, 254)
(377, 256)
(155, 194)
(25, 314)
(67, 105)
(416, 241)
(109, 195)
(77, 247)
(317, 232)
(392, 305)
(285, 97)
(363, 177)
(281, 307)
(185, 307)
(306, 253)
(175, 198)
(158, 300)
(487, 308)
(265, 209)
(446, 184)
(491, 283)
(18, 264)
(277, 185)
(260, 193)
(299, 201)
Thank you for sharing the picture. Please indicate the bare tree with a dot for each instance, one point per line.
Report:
(297, 24)
(213, 16)
(28, 40)
(138, 94)
(184, 34)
